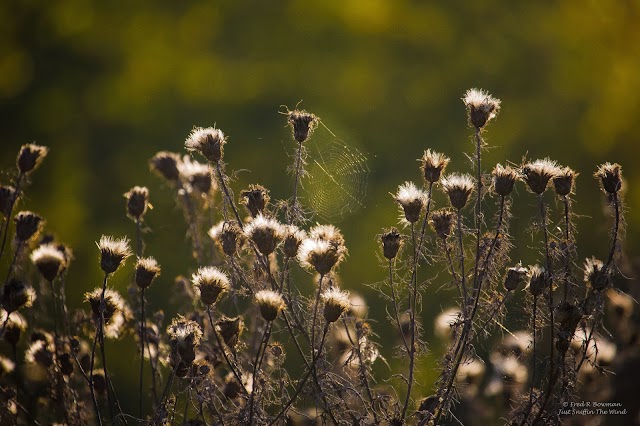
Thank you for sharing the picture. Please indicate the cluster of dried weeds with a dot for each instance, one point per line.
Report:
(251, 346)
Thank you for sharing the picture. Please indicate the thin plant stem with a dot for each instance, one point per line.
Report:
(310, 369)
(191, 219)
(256, 367)
(90, 383)
(463, 275)
(142, 344)
(616, 230)
(223, 350)
(412, 308)
(13, 261)
(395, 306)
(294, 202)
(97, 336)
(315, 314)
(533, 360)
(363, 370)
(225, 190)
(5, 229)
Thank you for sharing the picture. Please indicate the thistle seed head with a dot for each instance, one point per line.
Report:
(165, 164)
(6, 198)
(538, 280)
(433, 165)
(211, 283)
(265, 232)
(39, 352)
(230, 330)
(596, 274)
(391, 242)
(504, 178)
(209, 142)
(229, 236)
(49, 260)
(147, 269)
(16, 325)
(446, 321)
(302, 124)
(137, 201)
(292, 238)
(515, 276)
(184, 337)
(113, 253)
(442, 222)
(270, 304)
(320, 255)
(411, 200)
(116, 312)
(16, 294)
(568, 316)
(537, 174)
(28, 224)
(30, 157)
(196, 176)
(255, 199)
(6, 366)
(610, 176)
(481, 107)
(327, 233)
(336, 302)
(564, 181)
(458, 187)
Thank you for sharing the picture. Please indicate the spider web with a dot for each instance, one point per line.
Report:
(335, 182)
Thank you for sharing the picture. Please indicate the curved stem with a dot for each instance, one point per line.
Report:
(225, 190)
(294, 202)
(616, 229)
(315, 314)
(223, 350)
(256, 367)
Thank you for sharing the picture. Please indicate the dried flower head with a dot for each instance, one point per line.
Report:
(166, 165)
(517, 343)
(270, 304)
(458, 187)
(564, 181)
(7, 193)
(16, 294)
(28, 224)
(210, 283)
(538, 280)
(321, 255)
(39, 352)
(229, 236)
(596, 274)
(255, 198)
(30, 157)
(336, 302)
(116, 312)
(537, 174)
(433, 165)
(49, 260)
(327, 233)
(16, 325)
(197, 176)
(610, 176)
(113, 253)
(6, 366)
(411, 200)
(147, 269)
(137, 201)
(99, 381)
(391, 242)
(515, 276)
(504, 178)
(481, 107)
(207, 141)
(265, 232)
(184, 336)
(302, 124)
(568, 315)
(230, 330)
(442, 222)
(292, 238)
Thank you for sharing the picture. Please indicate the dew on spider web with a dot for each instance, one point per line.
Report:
(335, 183)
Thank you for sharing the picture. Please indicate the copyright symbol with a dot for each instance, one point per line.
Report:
(564, 404)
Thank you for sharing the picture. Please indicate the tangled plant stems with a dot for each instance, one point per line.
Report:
(245, 326)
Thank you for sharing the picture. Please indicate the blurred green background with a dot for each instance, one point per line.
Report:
(107, 84)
